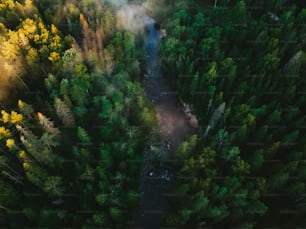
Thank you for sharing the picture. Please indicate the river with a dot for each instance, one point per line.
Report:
(173, 128)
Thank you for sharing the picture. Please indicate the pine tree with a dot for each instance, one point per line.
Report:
(47, 124)
(64, 112)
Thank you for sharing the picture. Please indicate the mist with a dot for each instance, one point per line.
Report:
(131, 15)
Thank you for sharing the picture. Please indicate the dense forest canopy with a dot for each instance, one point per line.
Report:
(241, 65)
(75, 119)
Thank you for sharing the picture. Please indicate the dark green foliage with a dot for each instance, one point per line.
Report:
(249, 55)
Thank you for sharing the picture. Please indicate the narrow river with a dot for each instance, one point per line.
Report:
(173, 124)
(173, 128)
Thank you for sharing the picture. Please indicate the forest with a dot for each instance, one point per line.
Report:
(73, 116)
(240, 65)
(76, 120)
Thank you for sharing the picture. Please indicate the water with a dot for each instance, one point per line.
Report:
(173, 128)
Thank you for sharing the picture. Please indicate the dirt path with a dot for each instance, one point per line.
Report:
(173, 128)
